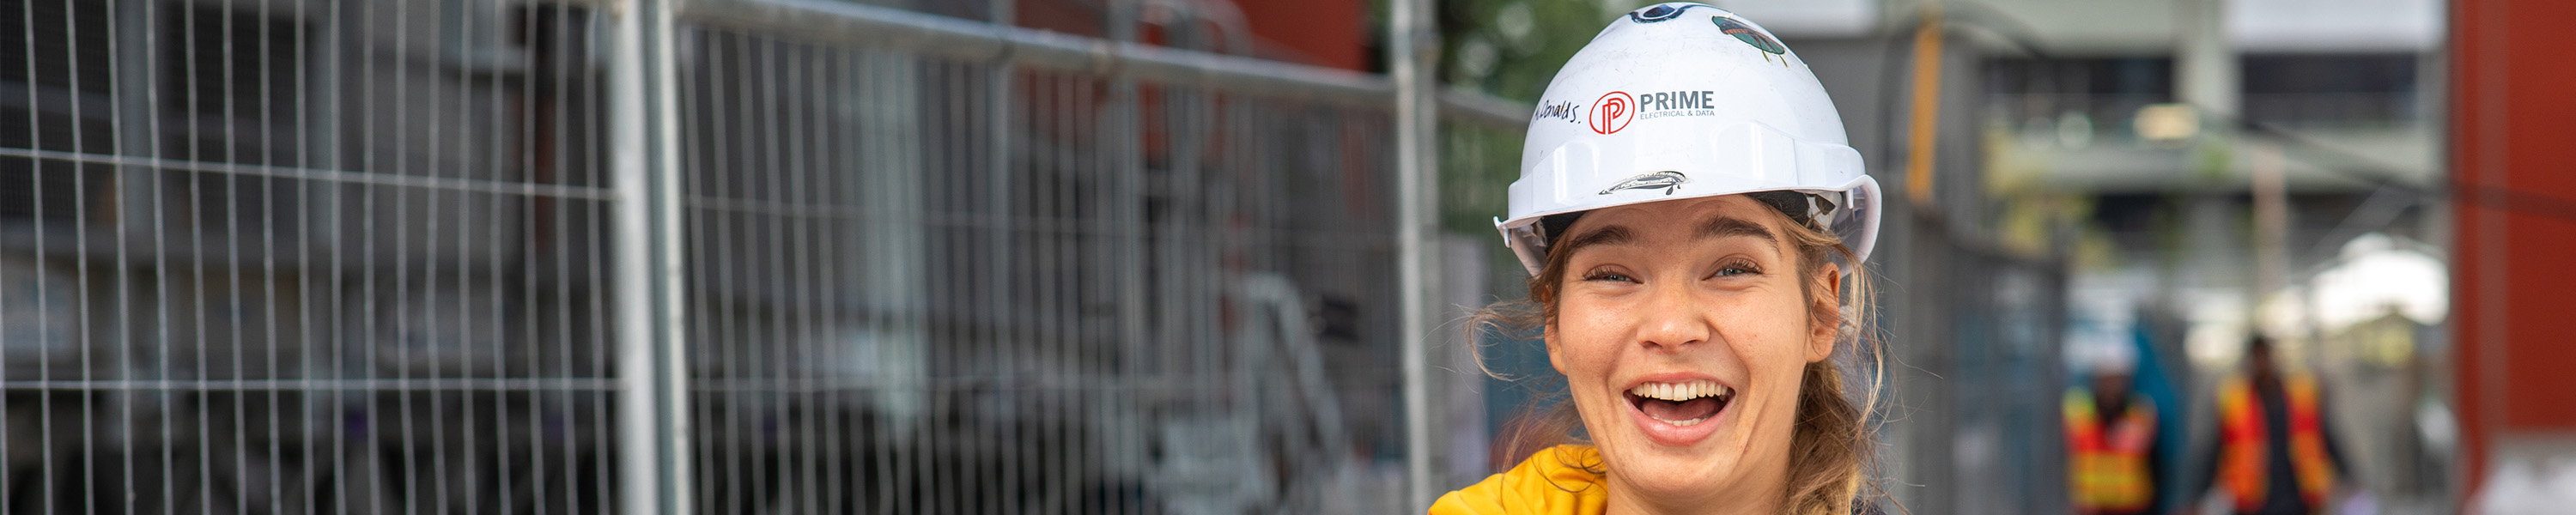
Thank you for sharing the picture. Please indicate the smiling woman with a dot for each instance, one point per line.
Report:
(1697, 338)
(1697, 279)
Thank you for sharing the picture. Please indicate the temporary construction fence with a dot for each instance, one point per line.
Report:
(717, 256)
(1974, 374)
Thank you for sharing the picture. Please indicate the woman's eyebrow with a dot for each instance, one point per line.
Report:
(1608, 235)
(1723, 226)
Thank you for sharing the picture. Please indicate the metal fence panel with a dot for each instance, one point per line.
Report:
(302, 257)
(894, 313)
(316, 256)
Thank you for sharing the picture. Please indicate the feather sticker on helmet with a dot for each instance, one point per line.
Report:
(1749, 35)
(1667, 181)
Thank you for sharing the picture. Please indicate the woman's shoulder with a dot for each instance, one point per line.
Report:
(1559, 480)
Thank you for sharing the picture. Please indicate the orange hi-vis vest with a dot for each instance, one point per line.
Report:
(2245, 450)
(2107, 466)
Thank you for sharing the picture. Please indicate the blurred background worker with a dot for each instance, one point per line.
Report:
(2275, 454)
(2112, 464)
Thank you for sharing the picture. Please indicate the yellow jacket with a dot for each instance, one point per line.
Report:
(1549, 482)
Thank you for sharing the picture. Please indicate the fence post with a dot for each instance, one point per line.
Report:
(1412, 55)
(645, 221)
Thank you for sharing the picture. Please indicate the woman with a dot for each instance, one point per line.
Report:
(1693, 220)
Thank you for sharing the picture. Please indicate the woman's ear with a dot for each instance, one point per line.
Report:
(1826, 304)
(1555, 358)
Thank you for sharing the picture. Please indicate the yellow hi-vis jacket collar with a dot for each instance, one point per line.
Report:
(1550, 482)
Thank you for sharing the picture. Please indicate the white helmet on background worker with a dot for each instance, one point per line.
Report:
(2112, 357)
(1685, 100)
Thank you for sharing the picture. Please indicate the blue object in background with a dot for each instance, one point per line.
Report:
(1532, 385)
(2172, 433)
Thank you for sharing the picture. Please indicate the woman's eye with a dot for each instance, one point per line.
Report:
(1736, 269)
(1608, 276)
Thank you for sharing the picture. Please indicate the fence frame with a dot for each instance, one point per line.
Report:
(648, 235)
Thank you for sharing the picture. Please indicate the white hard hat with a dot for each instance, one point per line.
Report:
(1684, 100)
(2112, 356)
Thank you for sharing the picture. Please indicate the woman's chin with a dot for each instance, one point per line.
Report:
(1669, 460)
(1666, 477)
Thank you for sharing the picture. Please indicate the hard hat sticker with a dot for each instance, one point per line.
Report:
(1676, 103)
(1749, 35)
(1667, 181)
(1660, 13)
(1613, 112)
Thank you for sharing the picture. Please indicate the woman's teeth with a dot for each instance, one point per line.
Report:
(1680, 412)
(1678, 392)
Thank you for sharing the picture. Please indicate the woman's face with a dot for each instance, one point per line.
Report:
(1683, 334)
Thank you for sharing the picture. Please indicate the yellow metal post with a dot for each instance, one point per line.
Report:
(1927, 106)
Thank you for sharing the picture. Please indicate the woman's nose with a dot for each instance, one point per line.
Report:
(1673, 318)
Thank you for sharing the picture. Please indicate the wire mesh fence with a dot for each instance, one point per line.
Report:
(311, 256)
(301, 257)
(1067, 305)
(1972, 387)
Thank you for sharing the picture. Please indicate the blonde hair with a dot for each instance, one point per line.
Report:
(1828, 449)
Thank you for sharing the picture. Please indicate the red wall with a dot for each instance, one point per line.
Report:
(1320, 32)
(1332, 33)
(2513, 167)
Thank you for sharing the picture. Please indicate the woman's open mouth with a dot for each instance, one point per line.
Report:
(1681, 404)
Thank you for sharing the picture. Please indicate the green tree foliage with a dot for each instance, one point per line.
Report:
(1511, 48)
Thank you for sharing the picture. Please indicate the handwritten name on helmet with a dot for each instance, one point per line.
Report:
(1566, 111)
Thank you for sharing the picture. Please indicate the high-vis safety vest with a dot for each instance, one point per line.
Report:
(2107, 463)
(2246, 447)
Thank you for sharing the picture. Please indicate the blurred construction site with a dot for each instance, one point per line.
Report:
(1201, 256)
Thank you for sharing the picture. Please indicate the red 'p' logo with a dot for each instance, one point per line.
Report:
(1613, 112)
